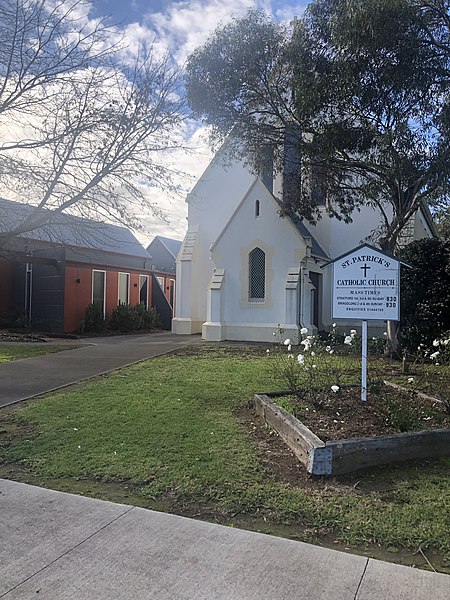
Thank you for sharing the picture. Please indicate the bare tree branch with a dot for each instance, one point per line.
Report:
(80, 130)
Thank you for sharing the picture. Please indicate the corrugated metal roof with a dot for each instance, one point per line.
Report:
(69, 230)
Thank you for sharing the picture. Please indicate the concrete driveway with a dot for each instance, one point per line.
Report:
(30, 377)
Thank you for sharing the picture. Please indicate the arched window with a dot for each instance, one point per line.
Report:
(257, 208)
(257, 274)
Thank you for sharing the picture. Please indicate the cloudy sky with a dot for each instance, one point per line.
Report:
(180, 27)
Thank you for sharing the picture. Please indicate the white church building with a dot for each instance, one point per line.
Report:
(243, 271)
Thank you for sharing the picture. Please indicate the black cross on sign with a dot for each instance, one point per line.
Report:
(365, 268)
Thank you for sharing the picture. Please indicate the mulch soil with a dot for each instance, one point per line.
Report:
(7, 336)
(346, 416)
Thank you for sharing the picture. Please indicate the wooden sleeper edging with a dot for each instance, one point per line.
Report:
(337, 457)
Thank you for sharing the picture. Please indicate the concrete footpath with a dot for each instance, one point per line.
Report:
(57, 546)
(30, 377)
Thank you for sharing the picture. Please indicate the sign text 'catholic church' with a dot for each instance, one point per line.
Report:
(366, 285)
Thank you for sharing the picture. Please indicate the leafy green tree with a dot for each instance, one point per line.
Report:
(442, 220)
(425, 297)
(436, 24)
(361, 88)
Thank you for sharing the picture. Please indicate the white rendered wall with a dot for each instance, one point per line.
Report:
(210, 205)
(284, 250)
(337, 237)
(421, 227)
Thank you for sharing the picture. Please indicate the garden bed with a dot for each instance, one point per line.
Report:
(7, 336)
(344, 434)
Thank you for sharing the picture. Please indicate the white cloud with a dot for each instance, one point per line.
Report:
(184, 26)
(192, 163)
(287, 12)
(179, 28)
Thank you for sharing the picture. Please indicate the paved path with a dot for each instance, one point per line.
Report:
(57, 546)
(34, 376)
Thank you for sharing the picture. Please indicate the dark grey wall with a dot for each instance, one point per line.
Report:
(47, 300)
(161, 304)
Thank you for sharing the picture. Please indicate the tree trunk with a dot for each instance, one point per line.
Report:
(393, 349)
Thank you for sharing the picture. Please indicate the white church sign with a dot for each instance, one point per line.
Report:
(366, 285)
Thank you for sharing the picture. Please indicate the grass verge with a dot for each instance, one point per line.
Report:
(17, 351)
(174, 433)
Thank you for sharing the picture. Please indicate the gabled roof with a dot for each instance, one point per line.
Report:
(316, 248)
(370, 247)
(173, 246)
(69, 230)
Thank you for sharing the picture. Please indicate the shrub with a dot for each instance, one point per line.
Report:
(425, 292)
(150, 317)
(376, 346)
(126, 318)
(351, 344)
(14, 318)
(94, 320)
(312, 370)
(439, 353)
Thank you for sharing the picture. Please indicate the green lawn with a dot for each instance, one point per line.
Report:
(170, 434)
(28, 350)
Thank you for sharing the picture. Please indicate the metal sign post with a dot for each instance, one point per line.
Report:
(366, 286)
(364, 362)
